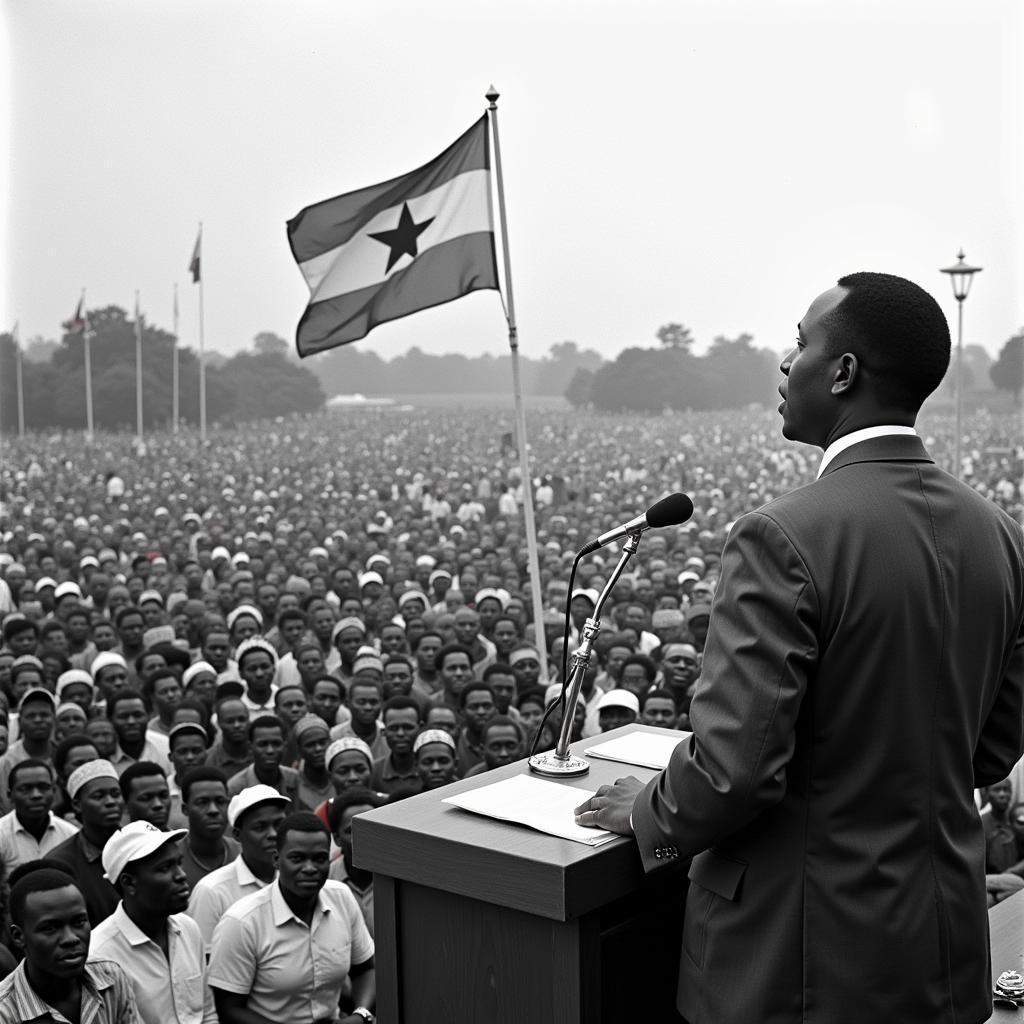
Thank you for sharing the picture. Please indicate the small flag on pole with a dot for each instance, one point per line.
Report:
(77, 323)
(193, 266)
(392, 249)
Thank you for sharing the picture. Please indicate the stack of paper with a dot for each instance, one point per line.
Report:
(639, 748)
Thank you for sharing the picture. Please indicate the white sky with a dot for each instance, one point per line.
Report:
(717, 163)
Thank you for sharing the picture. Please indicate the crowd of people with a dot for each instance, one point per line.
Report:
(214, 657)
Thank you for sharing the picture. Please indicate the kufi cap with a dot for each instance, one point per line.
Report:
(370, 577)
(318, 552)
(619, 699)
(136, 841)
(37, 695)
(347, 743)
(97, 769)
(309, 723)
(26, 659)
(151, 595)
(457, 528)
(190, 517)
(501, 596)
(591, 595)
(73, 675)
(688, 574)
(45, 581)
(188, 727)
(250, 797)
(665, 618)
(107, 555)
(69, 705)
(159, 560)
(239, 557)
(105, 658)
(426, 561)
(66, 588)
(349, 622)
(433, 736)
(255, 643)
(220, 552)
(368, 663)
(244, 609)
(377, 558)
(696, 563)
(158, 635)
(439, 574)
(413, 595)
(161, 511)
(195, 669)
(522, 654)
(88, 560)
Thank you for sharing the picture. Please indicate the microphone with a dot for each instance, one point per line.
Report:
(670, 511)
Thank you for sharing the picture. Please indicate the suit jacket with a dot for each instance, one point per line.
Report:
(863, 673)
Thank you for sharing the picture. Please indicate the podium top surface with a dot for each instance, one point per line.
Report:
(431, 843)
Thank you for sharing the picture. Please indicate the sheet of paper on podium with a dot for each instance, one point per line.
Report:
(540, 804)
(639, 748)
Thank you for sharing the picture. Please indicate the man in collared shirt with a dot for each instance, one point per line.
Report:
(266, 736)
(95, 795)
(36, 714)
(401, 723)
(31, 830)
(127, 713)
(284, 952)
(55, 981)
(148, 934)
(254, 816)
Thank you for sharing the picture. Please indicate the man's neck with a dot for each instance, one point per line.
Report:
(269, 776)
(133, 749)
(258, 696)
(204, 846)
(318, 776)
(303, 907)
(235, 748)
(263, 870)
(402, 763)
(36, 826)
(153, 926)
(55, 991)
(365, 731)
(36, 748)
(96, 834)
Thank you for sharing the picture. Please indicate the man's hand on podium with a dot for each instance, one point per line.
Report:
(611, 807)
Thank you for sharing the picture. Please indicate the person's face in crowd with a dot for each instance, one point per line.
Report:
(53, 665)
(150, 663)
(311, 663)
(203, 686)
(634, 616)
(478, 711)
(343, 836)
(326, 700)
(149, 799)
(392, 640)
(426, 652)
(76, 757)
(130, 631)
(291, 704)
(103, 736)
(436, 764)
(225, 596)
(207, 809)
(659, 711)
(530, 714)
(312, 748)
(216, 649)
(56, 640)
(343, 583)
(32, 794)
(634, 679)
(400, 728)
(1000, 795)
(267, 747)
(488, 611)
(613, 662)
(54, 932)
(187, 751)
(244, 592)
(117, 599)
(267, 596)
(348, 769)
(504, 687)
(157, 885)
(166, 696)
(414, 629)
(23, 642)
(443, 718)
(233, 720)
(99, 588)
(467, 626)
(111, 680)
(104, 637)
(78, 628)
(193, 574)
(35, 722)
(456, 672)
(152, 614)
(580, 608)
(397, 680)
(99, 805)
(351, 606)
(348, 641)
(614, 717)
(527, 672)
(69, 722)
(323, 623)
(303, 863)
(292, 631)
(257, 670)
(364, 701)
(180, 625)
(245, 626)
(506, 636)
(129, 720)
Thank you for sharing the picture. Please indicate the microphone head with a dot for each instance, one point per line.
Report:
(670, 511)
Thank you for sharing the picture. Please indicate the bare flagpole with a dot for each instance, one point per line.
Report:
(202, 349)
(138, 370)
(20, 383)
(174, 366)
(89, 424)
(524, 457)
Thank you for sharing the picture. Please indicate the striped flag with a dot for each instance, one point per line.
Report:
(392, 249)
(78, 324)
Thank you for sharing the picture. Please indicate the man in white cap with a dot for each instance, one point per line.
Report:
(253, 815)
(95, 792)
(158, 945)
(617, 708)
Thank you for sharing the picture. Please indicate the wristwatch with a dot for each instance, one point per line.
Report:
(363, 1012)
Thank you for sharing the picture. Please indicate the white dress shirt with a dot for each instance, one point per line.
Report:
(840, 444)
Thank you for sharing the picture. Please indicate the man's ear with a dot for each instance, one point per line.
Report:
(17, 936)
(846, 373)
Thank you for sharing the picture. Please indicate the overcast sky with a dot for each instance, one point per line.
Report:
(717, 163)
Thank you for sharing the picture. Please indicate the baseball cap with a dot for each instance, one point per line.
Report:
(619, 699)
(136, 840)
(250, 797)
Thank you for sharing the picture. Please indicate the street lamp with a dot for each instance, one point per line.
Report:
(960, 275)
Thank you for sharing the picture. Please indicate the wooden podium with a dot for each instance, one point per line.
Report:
(482, 922)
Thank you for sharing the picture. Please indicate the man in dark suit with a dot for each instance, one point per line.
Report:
(863, 674)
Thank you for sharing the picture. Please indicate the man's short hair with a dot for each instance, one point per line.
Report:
(660, 694)
(120, 697)
(400, 702)
(32, 762)
(123, 613)
(646, 663)
(201, 773)
(503, 720)
(423, 636)
(499, 668)
(35, 876)
(300, 821)
(12, 627)
(66, 745)
(355, 796)
(448, 650)
(139, 770)
(266, 722)
(290, 614)
(897, 328)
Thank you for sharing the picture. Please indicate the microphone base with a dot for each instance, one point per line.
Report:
(558, 767)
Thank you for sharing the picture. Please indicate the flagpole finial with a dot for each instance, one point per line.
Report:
(492, 95)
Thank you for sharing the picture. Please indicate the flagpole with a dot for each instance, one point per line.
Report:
(202, 346)
(524, 458)
(89, 431)
(174, 365)
(138, 370)
(20, 383)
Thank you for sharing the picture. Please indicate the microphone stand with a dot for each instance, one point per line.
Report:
(559, 762)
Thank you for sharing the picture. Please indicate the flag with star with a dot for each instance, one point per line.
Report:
(392, 249)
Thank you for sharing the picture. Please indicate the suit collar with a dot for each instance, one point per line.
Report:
(891, 448)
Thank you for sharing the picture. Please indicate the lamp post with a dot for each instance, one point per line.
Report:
(960, 275)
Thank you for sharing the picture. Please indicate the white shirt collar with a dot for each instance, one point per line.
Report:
(840, 444)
